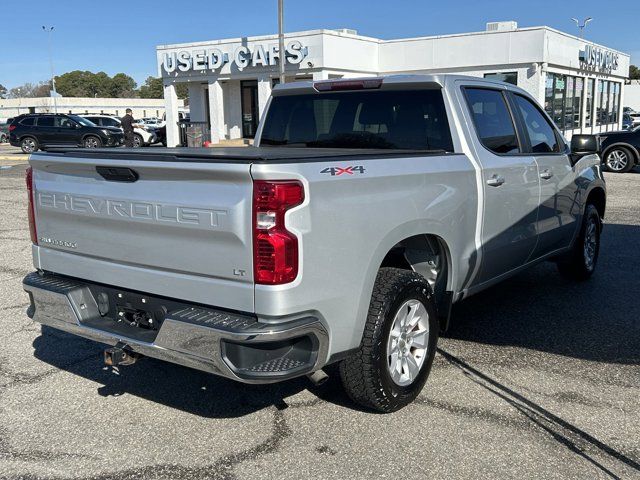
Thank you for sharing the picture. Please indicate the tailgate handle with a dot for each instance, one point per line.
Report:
(118, 174)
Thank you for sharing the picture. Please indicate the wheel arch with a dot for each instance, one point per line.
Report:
(598, 197)
(428, 255)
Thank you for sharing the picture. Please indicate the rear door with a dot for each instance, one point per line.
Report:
(182, 230)
(510, 183)
(46, 129)
(559, 202)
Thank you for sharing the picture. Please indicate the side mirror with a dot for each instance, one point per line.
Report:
(582, 145)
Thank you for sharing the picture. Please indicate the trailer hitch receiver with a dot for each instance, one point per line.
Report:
(120, 355)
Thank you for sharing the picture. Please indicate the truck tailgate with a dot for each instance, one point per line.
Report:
(182, 229)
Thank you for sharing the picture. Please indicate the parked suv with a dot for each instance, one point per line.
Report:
(142, 135)
(35, 132)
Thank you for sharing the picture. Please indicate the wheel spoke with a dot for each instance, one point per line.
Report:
(413, 318)
(413, 368)
(419, 338)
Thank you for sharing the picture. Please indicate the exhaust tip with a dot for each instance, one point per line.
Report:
(318, 377)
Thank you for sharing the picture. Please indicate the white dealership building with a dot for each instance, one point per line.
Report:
(580, 84)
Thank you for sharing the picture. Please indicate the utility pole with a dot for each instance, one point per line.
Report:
(582, 25)
(53, 78)
(282, 57)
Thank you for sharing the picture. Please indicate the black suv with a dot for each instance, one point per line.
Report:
(40, 131)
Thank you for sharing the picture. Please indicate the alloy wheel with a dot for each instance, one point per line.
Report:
(91, 142)
(617, 160)
(590, 243)
(28, 145)
(408, 342)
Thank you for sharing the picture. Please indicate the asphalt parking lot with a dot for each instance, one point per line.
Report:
(538, 378)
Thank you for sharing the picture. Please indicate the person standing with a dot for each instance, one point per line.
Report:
(127, 125)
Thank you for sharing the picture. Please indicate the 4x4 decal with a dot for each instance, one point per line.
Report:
(350, 170)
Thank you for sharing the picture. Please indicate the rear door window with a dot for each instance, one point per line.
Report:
(109, 122)
(391, 119)
(46, 121)
(493, 120)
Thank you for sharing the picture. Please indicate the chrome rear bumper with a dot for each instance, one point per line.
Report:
(233, 345)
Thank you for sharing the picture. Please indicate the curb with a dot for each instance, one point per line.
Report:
(15, 158)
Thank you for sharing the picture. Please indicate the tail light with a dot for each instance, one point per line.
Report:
(275, 249)
(12, 128)
(31, 212)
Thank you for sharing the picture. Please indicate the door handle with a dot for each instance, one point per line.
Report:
(546, 175)
(495, 180)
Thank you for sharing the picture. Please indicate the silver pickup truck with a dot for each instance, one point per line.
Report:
(366, 208)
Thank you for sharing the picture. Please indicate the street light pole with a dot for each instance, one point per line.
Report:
(282, 56)
(582, 25)
(53, 78)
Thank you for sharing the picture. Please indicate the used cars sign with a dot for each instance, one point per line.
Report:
(599, 58)
(243, 57)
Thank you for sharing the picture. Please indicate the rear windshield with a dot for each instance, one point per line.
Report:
(396, 119)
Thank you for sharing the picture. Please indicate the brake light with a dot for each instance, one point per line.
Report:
(31, 212)
(275, 249)
(336, 85)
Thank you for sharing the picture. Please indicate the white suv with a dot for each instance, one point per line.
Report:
(142, 136)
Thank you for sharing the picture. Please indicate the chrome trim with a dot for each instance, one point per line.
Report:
(57, 302)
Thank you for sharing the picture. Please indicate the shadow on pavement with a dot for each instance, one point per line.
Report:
(538, 309)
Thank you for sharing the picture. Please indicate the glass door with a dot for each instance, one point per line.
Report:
(250, 114)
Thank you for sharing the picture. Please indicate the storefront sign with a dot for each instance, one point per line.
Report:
(242, 57)
(598, 58)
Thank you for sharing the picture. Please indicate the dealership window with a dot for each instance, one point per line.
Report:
(589, 100)
(558, 101)
(599, 103)
(616, 102)
(507, 77)
(563, 100)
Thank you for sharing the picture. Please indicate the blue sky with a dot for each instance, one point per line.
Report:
(120, 36)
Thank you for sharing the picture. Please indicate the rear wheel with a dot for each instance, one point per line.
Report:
(393, 362)
(619, 160)
(29, 145)
(91, 141)
(3, 138)
(137, 140)
(580, 263)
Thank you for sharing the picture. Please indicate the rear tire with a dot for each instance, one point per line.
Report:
(137, 140)
(619, 160)
(29, 145)
(580, 263)
(393, 362)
